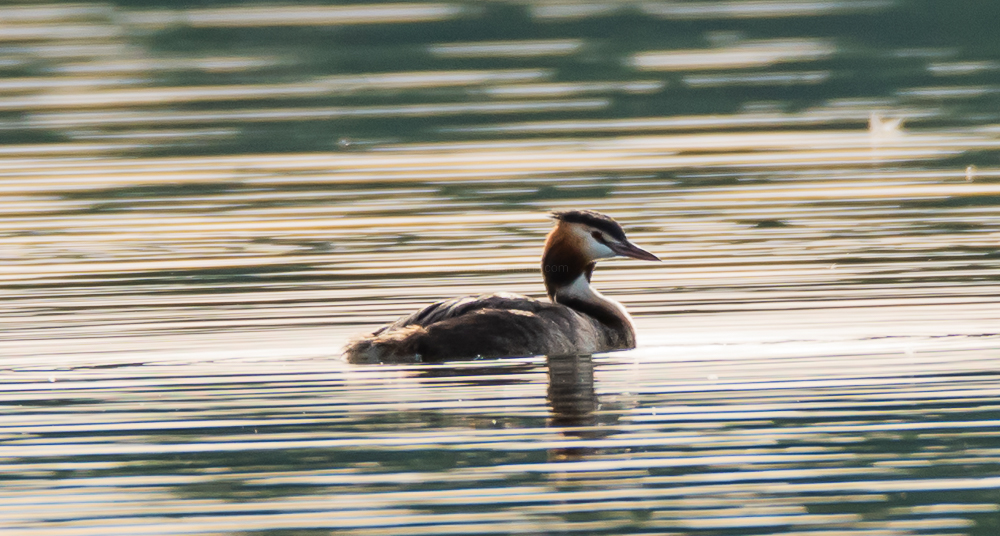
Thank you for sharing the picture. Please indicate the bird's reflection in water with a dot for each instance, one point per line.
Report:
(573, 402)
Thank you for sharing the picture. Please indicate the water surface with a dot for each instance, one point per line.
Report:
(200, 204)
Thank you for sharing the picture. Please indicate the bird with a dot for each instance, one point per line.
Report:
(577, 319)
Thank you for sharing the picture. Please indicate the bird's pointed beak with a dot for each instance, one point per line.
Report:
(628, 249)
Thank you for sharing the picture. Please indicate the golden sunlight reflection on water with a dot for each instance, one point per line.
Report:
(814, 346)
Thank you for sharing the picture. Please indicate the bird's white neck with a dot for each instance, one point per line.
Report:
(579, 295)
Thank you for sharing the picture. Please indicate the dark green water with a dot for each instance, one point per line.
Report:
(201, 202)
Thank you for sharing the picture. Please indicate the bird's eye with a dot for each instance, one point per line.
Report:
(597, 236)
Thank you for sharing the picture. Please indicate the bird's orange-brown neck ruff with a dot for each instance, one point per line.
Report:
(563, 260)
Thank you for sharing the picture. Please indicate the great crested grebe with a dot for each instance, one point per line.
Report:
(579, 320)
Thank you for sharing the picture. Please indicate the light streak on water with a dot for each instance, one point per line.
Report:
(744, 55)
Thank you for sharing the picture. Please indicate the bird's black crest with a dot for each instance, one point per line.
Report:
(593, 219)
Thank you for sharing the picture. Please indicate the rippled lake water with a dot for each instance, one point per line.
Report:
(201, 202)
